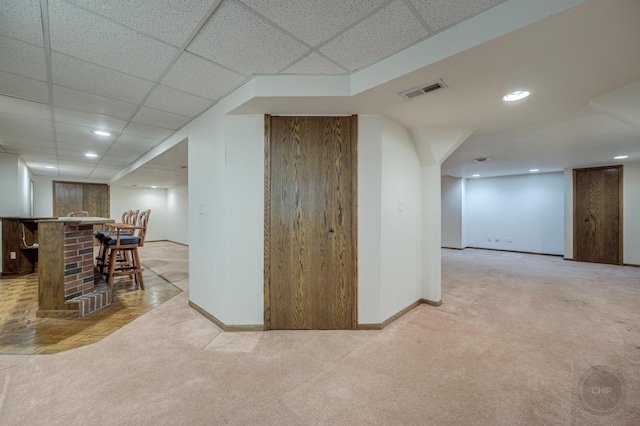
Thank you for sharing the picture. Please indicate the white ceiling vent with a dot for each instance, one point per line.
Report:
(423, 89)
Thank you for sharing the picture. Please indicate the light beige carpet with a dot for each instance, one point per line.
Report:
(509, 346)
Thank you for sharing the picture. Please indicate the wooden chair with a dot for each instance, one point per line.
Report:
(79, 213)
(125, 239)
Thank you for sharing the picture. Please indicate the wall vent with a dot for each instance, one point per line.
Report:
(423, 89)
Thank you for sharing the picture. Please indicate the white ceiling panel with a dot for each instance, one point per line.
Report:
(315, 64)
(364, 43)
(21, 19)
(172, 100)
(146, 131)
(27, 88)
(91, 78)
(442, 13)
(81, 34)
(86, 102)
(10, 121)
(86, 119)
(168, 20)
(136, 142)
(25, 108)
(167, 120)
(22, 58)
(128, 150)
(238, 39)
(301, 17)
(16, 135)
(40, 159)
(63, 129)
(198, 76)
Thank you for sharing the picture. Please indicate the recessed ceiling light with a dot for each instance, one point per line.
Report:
(49, 167)
(516, 95)
(481, 159)
(101, 133)
(621, 157)
(534, 170)
(153, 187)
(91, 155)
(476, 176)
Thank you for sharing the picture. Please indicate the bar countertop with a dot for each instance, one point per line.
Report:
(80, 220)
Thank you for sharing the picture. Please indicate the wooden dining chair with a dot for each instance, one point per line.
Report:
(78, 213)
(124, 240)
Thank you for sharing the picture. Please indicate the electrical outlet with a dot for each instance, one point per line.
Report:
(497, 239)
(509, 239)
(13, 255)
(489, 239)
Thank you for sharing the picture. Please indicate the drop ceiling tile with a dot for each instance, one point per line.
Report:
(152, 132)
(315, 64)
(301, 18)
(365, 44)
(126, 149)
(239, 40)
(172, 100)
(86, 36)
(139, 142)
(166, 120)
(91, 78)
(85, 131)
(198, 76)
(86, 102)
(27, 123)
(23, 87)
(25, 108)
(94, 121)
(10, 135)
(442, 13)
(22, 58)
(168, 20)
(21, 20)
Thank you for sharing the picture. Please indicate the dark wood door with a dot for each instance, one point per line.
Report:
(310, 266)
(74, 196)
(597, 217)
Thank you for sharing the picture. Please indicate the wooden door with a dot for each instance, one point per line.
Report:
(597, 215)
(310, 223)
(74, 196)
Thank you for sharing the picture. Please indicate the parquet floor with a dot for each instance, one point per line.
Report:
(21, 333)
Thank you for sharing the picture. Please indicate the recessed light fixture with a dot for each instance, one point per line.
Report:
(153, 186)
(481, 159)
(49, 167)
(476, 175)
(534, 170)
(516, 95)
(621, 157)
(91, 155)
(101, 133)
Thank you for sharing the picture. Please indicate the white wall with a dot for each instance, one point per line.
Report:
(178, 214)
(24, 189)
(9, 185)
(452, 212)
(400, 267)
(528, 209)
(631, 213)
(123, 198)
(369, 218)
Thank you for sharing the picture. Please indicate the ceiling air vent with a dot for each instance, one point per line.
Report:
(424, 89)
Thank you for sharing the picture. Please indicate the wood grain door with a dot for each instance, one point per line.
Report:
(597, 215)
(74, 196)
(310, 222)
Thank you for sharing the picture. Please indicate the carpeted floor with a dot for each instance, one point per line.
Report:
(509, 346)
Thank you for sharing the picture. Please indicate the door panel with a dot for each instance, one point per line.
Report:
(311, 223)
(597, 223)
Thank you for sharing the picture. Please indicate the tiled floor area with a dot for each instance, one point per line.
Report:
(21, 333)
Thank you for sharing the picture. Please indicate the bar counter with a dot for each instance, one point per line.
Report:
(66, 279)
